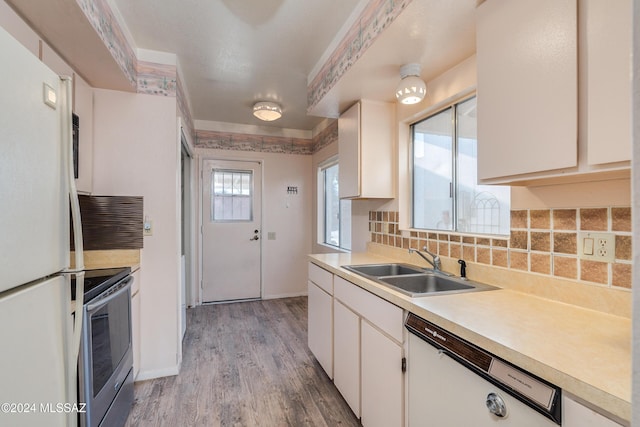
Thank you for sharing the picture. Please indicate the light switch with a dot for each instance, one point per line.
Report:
(271, 235)
(147, 227)
(587, 246)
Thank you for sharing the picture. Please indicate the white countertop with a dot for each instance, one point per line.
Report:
(585, 352)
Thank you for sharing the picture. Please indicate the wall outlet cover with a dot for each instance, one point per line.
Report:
(597, 246)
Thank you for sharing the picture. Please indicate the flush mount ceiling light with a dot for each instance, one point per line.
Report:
(267, 111)
(411, 89)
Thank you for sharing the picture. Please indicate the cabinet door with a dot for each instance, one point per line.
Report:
(527, 86)
(349, 152)
(608, 77)
(577, 415)
(377, 156)
(346, 355)
(320, 327)
(382, 379)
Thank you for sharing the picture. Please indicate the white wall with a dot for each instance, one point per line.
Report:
(284, 260)
(360, 234)
(635, 397)
(136, 154)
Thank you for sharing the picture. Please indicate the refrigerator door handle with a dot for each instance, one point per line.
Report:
(67, 141)
(67, 138)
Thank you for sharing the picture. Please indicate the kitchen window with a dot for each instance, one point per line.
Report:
(334, 214)
(446, 193)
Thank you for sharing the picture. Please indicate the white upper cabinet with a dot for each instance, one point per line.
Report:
(554, 87)
(365, 147)
(608, 80)
(527, 86)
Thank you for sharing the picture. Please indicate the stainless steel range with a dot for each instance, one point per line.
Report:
(105, 365)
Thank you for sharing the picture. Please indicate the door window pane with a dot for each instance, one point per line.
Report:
(231, 195)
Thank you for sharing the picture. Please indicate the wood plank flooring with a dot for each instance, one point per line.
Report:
(244, 364)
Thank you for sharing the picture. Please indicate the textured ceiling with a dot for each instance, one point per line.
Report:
(233, 53)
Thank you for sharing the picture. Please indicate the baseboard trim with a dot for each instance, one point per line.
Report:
(292, 295)
(158, 373)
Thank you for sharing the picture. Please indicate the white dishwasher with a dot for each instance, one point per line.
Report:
(453, 383)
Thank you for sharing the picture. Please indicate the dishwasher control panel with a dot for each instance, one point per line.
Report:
(535, 392)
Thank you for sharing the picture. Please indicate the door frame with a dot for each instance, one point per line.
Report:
(187, 220)
(222, 158)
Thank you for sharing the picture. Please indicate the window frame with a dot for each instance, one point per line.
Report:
(455, 196)
(322, 203)
(231, 196)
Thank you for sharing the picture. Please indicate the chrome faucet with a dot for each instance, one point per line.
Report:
(436, 264)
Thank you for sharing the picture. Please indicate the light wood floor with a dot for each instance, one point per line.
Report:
(244, 364)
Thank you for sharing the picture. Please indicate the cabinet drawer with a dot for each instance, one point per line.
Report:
(321, 277)
(376, 310)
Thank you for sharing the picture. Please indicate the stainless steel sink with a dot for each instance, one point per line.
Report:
(415, 281)
(381, 270)
(426, 284)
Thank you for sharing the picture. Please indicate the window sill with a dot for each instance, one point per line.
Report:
(333, 248)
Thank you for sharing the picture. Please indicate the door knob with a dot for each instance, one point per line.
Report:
(254, 238)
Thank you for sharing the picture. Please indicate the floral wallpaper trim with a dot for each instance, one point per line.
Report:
(156, 79)
(373, 20)
(147, 77)
(106, 26)
(269, 144)
(183, 107)
(249, 142)
(328, 136)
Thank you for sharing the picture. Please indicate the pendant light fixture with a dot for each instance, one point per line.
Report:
(267, 111)
(411, 88)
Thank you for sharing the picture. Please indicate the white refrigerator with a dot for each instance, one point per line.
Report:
(38, 346)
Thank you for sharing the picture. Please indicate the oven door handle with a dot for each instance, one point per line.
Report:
(116, 294)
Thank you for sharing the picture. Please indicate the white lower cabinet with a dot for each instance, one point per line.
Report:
(382, 379)
(368, 354)
(319, 326)
(320, 316)
(346, 353)
(575, 414)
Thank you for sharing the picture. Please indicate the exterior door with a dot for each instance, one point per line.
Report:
(231, 230)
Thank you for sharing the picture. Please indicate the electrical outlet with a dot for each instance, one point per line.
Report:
(597, 246)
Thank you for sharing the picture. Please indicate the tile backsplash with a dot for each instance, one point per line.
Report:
(542, 241)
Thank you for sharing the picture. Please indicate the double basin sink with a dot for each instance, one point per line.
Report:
(415, 281)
